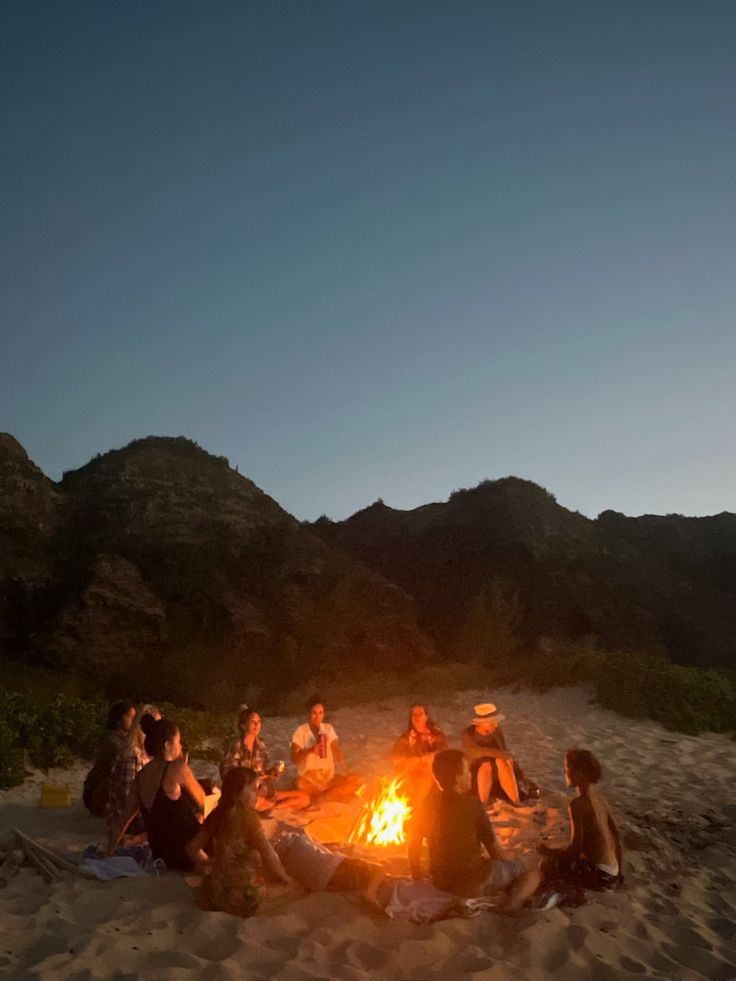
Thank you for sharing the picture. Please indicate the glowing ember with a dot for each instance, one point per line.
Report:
(384, 817)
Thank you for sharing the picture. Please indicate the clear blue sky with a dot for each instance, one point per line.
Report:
(377, 249)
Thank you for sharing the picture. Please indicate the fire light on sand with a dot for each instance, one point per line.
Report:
(384, 816)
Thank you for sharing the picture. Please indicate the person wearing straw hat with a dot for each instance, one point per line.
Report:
(494, 771)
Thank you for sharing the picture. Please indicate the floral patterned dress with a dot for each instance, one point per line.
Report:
(233, 883)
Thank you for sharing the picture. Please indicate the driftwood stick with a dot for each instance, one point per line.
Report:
(53, 857)
(38, 862)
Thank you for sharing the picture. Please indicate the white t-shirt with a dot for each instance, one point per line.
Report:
(304, 738)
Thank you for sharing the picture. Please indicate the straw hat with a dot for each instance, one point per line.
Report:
(486, 712)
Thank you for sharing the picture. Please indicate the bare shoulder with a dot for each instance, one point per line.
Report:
(178, 771)
(580, 806)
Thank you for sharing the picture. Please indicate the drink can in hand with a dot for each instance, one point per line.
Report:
(322, 745)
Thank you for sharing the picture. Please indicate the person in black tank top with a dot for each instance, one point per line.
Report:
(170, 822)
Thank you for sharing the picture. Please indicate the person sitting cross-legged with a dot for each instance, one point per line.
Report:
(248, 749)
(315, 751)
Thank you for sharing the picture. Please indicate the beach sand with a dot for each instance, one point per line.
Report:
(675, 918)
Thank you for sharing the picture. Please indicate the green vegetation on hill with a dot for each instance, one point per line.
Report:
(158, 571)
(164, 573)
(502, 567)
(56, 730)
(52, 730)
(639, 686)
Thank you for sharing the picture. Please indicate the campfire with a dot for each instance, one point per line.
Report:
(384, 816)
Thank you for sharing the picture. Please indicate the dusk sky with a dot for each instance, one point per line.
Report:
(377, 249)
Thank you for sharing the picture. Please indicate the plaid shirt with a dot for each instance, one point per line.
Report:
(238, 754)
(121, 780)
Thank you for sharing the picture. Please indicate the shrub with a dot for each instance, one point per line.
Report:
(556, 668)
(12, 770)
(65, 728)
(649, 686)
(200, 729)
(53, 733)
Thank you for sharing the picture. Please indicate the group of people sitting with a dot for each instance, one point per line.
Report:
(494, 772)
(142, 783)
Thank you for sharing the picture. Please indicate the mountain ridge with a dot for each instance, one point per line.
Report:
(506, 550)
(165, 572)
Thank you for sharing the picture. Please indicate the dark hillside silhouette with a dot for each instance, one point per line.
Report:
(159, 570)
(502, 567)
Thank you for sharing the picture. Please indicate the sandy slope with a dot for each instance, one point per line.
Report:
(676, 918)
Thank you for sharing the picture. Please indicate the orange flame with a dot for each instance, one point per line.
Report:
(384, 817)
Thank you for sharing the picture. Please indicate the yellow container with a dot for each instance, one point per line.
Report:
(55, 795)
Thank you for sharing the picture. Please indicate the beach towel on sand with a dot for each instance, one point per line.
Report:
(418, 901)
(135, 860)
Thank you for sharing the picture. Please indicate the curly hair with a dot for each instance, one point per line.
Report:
(584, 763)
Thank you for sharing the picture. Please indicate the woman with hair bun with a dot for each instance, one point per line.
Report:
(167, 794)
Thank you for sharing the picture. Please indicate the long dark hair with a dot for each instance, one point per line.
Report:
(118, 710)
(245, 714)
(233, 784)
(431, 724)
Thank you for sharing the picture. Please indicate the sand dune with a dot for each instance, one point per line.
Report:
(676, 917)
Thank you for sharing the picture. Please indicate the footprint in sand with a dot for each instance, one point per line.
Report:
(365, 956)
(214, 945)
(632, 967)
(724, 928)
(576, 936)
(661, 907)
(702, 961)
(556, 959)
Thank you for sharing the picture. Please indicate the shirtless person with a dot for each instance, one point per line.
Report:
(457, 827)
(315, 750)
(592, 860)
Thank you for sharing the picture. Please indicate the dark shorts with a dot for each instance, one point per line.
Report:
(578, 871)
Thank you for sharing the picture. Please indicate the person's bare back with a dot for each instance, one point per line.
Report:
(595, 829)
